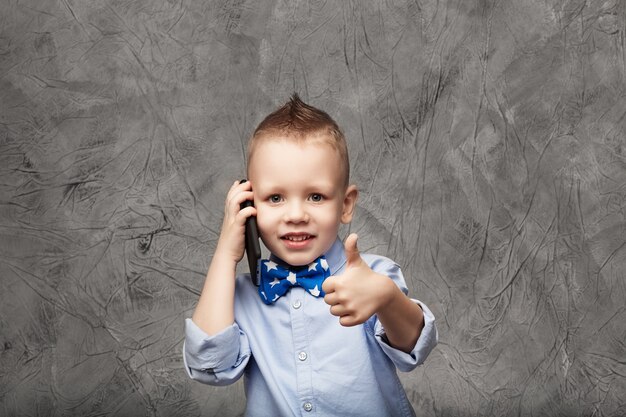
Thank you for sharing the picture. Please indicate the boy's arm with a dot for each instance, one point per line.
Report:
(215, 309)
(402, 319)
(359, 293)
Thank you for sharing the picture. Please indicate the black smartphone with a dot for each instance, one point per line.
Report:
(253, 247)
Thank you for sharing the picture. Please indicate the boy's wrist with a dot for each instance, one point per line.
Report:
(389, 292)
(225, 257)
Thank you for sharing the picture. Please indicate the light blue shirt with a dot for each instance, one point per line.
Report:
(299, 361)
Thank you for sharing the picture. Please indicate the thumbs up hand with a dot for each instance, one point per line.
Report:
(358, 293)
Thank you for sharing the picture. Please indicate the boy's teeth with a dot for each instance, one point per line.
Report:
(297, 238)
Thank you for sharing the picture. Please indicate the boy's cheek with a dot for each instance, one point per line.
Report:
(263, 229)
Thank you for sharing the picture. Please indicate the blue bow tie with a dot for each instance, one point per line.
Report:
(276, 279)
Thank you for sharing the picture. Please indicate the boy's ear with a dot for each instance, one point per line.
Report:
(349, 203)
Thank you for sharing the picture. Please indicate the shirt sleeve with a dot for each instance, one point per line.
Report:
(428, 338)
(219, 359)
(406, 362)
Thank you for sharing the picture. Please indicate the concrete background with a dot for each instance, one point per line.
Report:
(487, 138)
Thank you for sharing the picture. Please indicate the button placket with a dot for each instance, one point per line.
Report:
(300, 333)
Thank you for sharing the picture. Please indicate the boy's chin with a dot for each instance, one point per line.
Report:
(297, 259)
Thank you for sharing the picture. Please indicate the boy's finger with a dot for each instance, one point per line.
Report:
(246, 212)
(328, 286)
(240, 197)
(338, 310)
(233, 187)
(330, 299)
(352, 252)
(348, 321)
(235, 190)
(241, 185)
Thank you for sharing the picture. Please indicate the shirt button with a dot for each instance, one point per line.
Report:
(302, 356)
(297, 304)
(307, 406)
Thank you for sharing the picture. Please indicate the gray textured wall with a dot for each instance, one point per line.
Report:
(487, 138)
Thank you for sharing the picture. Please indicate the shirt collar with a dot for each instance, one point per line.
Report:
(335, 256)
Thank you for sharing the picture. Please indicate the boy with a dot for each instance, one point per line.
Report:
(323, 345)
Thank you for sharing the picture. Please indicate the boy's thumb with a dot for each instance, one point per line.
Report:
(352, 252)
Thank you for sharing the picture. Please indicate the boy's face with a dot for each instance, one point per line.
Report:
(300, 198)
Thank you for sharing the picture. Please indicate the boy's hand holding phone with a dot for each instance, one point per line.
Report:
(358, 293)
(231, 243)
(215, 310)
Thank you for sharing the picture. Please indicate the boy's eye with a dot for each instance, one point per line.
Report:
(316, 198)
(275, 198)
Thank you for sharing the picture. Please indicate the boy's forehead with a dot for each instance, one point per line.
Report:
(279, 156)
(271, 148)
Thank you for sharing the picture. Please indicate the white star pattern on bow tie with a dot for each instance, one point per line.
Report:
(312, 266)
(291, 278)
(276, 281)
(324, 264)
(315, 291)
(270, 265)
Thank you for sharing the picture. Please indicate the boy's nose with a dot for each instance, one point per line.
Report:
(296, 213)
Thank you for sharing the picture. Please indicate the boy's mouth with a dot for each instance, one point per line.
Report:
(297, 241)
(297, 237)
